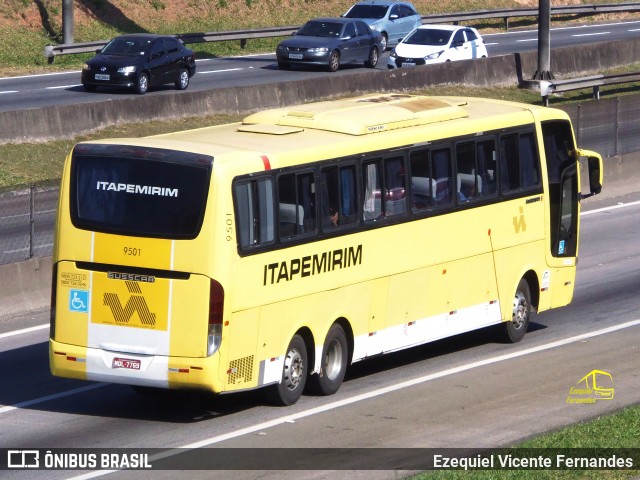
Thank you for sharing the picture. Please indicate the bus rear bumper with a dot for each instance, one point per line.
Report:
(71, 361)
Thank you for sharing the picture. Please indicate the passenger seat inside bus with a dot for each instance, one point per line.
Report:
(290, 223)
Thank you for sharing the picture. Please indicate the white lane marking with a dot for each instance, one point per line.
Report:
(55, 396)
(221, 71)
(376, 393)
(613, 207)
(9, 91)
(24, 330)
(528, 40)
(57, 87)
(590, 34)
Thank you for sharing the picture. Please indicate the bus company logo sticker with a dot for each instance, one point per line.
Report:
(595, 385)
(137, 189)
(79, 301)
(519, 223)
(560, 247)
(136, 303)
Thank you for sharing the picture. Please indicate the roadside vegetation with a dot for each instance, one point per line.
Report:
(620, 430)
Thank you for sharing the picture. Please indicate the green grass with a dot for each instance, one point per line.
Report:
(618, 431)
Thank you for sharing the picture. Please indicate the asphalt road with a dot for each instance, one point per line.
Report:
(64, 88)
(468, 391)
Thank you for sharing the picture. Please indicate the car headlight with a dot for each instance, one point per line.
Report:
(318, 50)
(393, 53)
(125, 70)
(86, 67)
(433, 56)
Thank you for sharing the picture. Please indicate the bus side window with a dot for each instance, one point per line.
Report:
(423, 187)
(296, 204)
(255, 211)
(395, 202)
(371, 187)
(486, 163)
(441, 167)
(338, 194)
(509, 163)
(529, 168)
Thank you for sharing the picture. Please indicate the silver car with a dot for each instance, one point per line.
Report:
(394, 20)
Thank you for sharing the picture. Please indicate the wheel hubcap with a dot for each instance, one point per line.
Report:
(520, 310)
(184, 79)
(293, 369)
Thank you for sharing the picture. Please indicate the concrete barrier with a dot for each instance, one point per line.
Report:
(26, 287)
(67, 121)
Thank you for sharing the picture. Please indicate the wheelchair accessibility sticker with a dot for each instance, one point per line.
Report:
(79, 301)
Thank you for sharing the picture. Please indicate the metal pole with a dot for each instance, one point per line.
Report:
(67, 21)
(32, 226)
(544, 42)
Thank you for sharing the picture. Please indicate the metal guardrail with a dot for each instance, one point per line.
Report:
(548, 87)
(51, 51)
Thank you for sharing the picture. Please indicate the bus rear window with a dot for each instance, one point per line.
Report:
(139, 191)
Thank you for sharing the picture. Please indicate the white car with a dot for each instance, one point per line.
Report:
(436, 44)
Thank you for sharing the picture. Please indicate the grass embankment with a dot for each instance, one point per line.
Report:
(618, 431)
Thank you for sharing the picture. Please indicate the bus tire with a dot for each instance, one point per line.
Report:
(514, 330)
(335, 355)
(294, 375)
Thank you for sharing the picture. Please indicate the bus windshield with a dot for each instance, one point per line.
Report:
(139, 191)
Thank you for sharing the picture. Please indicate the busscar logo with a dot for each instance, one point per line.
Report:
(135, 303)
(23, 459)
(594, 386)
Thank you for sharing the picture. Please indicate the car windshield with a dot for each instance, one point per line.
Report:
(126, 47)
(321, 29)
(367, 11)
(431, 36)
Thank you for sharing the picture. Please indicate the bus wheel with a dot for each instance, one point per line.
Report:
(335, 354)
(294, 375)
(522, 312)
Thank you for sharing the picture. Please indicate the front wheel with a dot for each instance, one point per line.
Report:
(384, 41)
(183, 79)
(294, 375)
(335, 355)
(372, 61)
(334, 61)
(142, 85)
(521, 315)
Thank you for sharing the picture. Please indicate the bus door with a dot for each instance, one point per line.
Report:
(563, 196)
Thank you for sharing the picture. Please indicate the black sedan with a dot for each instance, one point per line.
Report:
(140, 61)
(330, 42)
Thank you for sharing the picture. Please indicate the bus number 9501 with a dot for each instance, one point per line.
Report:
(133, 252)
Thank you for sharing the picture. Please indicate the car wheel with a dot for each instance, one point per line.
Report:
(384, 41)
(183, 79)
(284, 65)
(89, 88)
(142, 85)
(373, 58)
(334, 61)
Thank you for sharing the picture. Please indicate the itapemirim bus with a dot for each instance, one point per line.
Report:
(277, 251)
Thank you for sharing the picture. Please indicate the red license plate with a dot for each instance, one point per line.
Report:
(129, 363)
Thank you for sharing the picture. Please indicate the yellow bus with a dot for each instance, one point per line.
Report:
(276, 251)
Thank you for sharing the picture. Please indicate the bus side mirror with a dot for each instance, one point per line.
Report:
(595, 171)
(595, 175)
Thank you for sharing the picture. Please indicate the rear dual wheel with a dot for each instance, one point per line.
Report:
(333, 364)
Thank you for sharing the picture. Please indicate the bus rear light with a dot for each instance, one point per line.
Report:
(216, 309)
